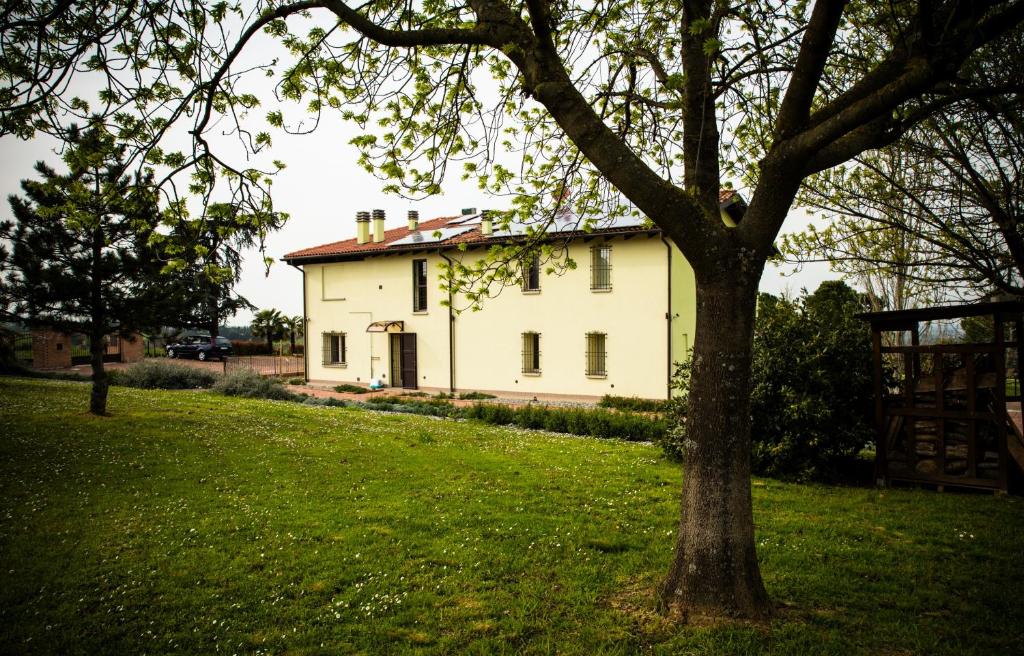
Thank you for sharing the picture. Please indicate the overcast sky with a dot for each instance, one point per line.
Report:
(322, 188)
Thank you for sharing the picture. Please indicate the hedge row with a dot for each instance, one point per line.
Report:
(634, 404)
(576, 421)
(249, 347)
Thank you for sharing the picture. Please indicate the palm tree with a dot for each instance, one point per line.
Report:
(270, 324)
(294, 326)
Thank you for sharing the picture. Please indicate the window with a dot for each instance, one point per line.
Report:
(531, 353)
(419, 285)
(531, 274)
(596, 354)
(335, 351)
(601, 268)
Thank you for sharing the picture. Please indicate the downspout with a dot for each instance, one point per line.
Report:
(668, 322)
(451, 328)
(305, 327)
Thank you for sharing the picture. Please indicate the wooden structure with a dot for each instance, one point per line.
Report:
(948, 413)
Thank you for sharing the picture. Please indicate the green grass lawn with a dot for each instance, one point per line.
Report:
(193, 523)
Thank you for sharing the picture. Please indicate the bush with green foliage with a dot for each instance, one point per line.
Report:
(634, 403)
(248, 383)
(351, 389)
(812, 394)
(672, 439)
(475, 396)
(429, 407)
(159, 374)
(575, 421)
(978, 330)
(250, 347)
(329, 402)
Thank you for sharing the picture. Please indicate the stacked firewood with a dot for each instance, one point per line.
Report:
(952, 442)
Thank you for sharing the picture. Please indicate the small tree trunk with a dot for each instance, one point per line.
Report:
(100, 383)
(270, 343)
(98, 398)
(714, 571)
(291, 334)
(214, 314)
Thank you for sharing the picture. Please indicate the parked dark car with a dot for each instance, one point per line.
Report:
(202, 347)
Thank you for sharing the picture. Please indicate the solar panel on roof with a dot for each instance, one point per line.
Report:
(431, 236)
(573, 225)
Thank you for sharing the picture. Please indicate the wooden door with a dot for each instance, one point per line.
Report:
(395, 357)
(408, 359)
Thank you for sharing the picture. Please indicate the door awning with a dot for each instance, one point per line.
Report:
(386, 327)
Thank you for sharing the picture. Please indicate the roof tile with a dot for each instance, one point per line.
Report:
(351, 247)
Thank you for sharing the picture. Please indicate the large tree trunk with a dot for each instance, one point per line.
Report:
(100, 382)
(715, 571)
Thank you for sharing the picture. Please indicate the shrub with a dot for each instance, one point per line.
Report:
(575, 421)
(475, 396)
(353, 389)
(160, 374)
(411, 407)
(671, 440)
(532, 416)
(249, 347)
(296, 381)
(811, 385)
(633, 403)
(249, 384)
(491, 413)
(328, 402)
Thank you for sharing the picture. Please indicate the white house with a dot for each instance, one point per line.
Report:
(614, 325)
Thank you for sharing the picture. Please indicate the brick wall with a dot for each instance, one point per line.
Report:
(133, 348)
(50, 349)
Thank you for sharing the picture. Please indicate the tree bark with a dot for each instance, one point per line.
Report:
(214, 312)
(714, 570)
(97, 349)
(100, 382)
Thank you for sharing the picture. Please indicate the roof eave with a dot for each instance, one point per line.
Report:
(326, 258)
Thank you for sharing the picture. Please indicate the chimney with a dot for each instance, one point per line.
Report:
(362, 227)
(414, 220)
(486, 224)
(378, 226)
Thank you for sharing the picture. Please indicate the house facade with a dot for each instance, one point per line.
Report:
(613, 325)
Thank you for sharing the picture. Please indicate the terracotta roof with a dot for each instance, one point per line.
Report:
(347, 246)
(350, 247)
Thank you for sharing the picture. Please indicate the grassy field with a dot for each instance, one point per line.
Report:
(193, 523)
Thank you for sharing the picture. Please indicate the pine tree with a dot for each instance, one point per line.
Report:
(81, 257)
